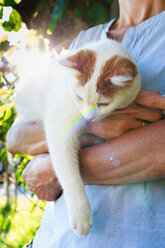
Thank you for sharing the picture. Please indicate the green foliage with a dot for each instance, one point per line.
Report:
(7, 111)
(97, 14)
(93, 12)
(52, 25)
(7, 3)
(1, 12)
(19, 163)
(58, 9)
(56, 15)
(14, 23)
(18, 226)
(7, 115)
(4, 46)
(41, 5)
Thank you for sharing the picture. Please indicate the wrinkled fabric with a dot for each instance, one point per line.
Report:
(125, 216)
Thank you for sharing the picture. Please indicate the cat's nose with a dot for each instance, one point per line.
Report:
(89, 112)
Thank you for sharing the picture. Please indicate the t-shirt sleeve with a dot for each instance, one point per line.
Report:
(80, 40)
(86, 36)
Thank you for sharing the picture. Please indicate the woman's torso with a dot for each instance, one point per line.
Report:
(125, 216)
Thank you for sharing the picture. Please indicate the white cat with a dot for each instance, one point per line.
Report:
(87, 84)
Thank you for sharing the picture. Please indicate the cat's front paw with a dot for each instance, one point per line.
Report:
(81, 220)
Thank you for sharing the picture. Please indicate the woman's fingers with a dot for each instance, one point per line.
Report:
(47, 192)
(143, 113)
(111, 128)
(151, 99)
(147, 107)
(148, 115)
(39, 170)
(40, 178)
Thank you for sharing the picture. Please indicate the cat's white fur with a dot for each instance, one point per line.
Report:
(50, 97)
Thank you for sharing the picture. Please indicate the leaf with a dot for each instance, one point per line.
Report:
(52, 26)
(7, 2)
(14, 23)
(0, 79)
(4, 45)
(2, 117)
(1, 12)
(109, 1)
(56, 14)
(17, 1)
(8, 114)
(3, 154)
(41, 5)
(6, 108)
(97, 14)
(58, 9)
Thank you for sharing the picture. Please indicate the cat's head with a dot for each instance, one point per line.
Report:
(106, 78)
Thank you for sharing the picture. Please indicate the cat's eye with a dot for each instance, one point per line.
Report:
(103, 104)
(79, 97)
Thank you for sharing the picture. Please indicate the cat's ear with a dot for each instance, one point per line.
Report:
(70, 62)
(79, 61)
(121, 80)
(120, 70)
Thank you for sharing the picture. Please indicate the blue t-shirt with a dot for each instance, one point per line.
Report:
(125, 216)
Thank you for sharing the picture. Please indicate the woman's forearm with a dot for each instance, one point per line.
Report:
(135, 156)
(132, 157)
(27, 138)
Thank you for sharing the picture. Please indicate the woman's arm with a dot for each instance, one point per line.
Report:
(26, 138)
(126, 158)
(135, 156)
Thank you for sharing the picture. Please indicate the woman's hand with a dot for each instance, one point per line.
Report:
(146, 108)
(40, 178)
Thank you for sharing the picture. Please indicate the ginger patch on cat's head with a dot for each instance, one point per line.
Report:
(84, 62)
(118, 72)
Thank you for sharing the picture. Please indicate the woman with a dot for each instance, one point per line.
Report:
(125, 215)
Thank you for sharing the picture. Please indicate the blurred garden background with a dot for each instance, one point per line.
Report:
(49, 25)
